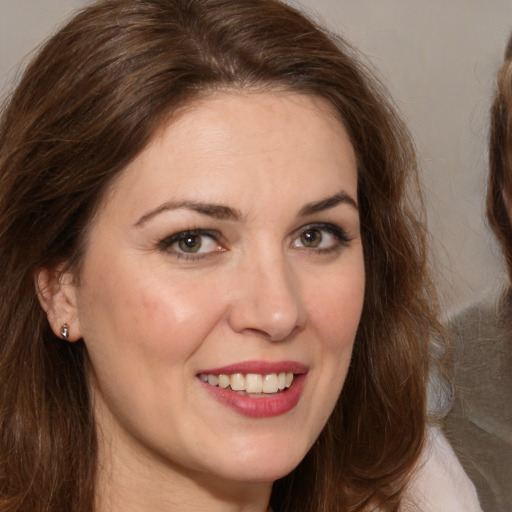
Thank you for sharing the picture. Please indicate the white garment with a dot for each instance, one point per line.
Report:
(440, 484)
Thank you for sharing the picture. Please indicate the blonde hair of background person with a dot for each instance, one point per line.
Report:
(480, 423)
(500, 178)
(120, 79)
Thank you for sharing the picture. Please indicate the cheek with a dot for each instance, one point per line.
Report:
(336, 309)
(145, 316)
(174, 320)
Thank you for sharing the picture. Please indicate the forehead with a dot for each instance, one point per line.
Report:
(240, 136)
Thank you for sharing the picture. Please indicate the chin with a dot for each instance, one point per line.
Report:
(264, 465)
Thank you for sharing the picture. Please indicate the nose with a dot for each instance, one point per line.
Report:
(267, 302)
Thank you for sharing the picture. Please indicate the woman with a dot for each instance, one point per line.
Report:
(480, 423)
(216, 294)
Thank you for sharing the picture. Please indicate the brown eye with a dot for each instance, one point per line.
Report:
(321, 238)
(190, 243)
(311, 238)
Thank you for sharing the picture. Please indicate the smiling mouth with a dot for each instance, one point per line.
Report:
(250, 383)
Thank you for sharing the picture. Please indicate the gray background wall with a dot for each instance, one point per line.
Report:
(438, 59)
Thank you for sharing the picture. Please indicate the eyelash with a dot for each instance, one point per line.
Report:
(167, 243)
(339, 234)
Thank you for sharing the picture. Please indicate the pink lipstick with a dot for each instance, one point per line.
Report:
(256, 389)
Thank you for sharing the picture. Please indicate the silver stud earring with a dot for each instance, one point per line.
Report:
(64, 331)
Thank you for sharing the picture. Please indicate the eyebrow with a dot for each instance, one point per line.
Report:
(216, 211)
(327, 203)
(219, 211)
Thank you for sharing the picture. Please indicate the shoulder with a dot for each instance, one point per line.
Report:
(479, 425)
(481, 322)
(439, 482)
(482, 356)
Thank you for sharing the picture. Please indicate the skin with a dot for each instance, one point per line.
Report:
(153, 317)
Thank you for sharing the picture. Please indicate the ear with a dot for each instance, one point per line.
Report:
(56, 291)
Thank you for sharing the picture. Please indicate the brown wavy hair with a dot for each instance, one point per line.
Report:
(500, 159)
(87, 104)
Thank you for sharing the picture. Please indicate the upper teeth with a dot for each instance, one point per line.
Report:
(251, 382)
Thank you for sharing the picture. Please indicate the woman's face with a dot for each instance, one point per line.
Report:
(222, 287)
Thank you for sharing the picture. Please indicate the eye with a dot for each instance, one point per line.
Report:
(312, 237)
(192, 243)
(321, 237)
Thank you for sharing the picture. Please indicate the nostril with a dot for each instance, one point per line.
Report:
(273, 335)
(268, 305)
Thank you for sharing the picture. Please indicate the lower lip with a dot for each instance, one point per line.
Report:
(260, 407)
